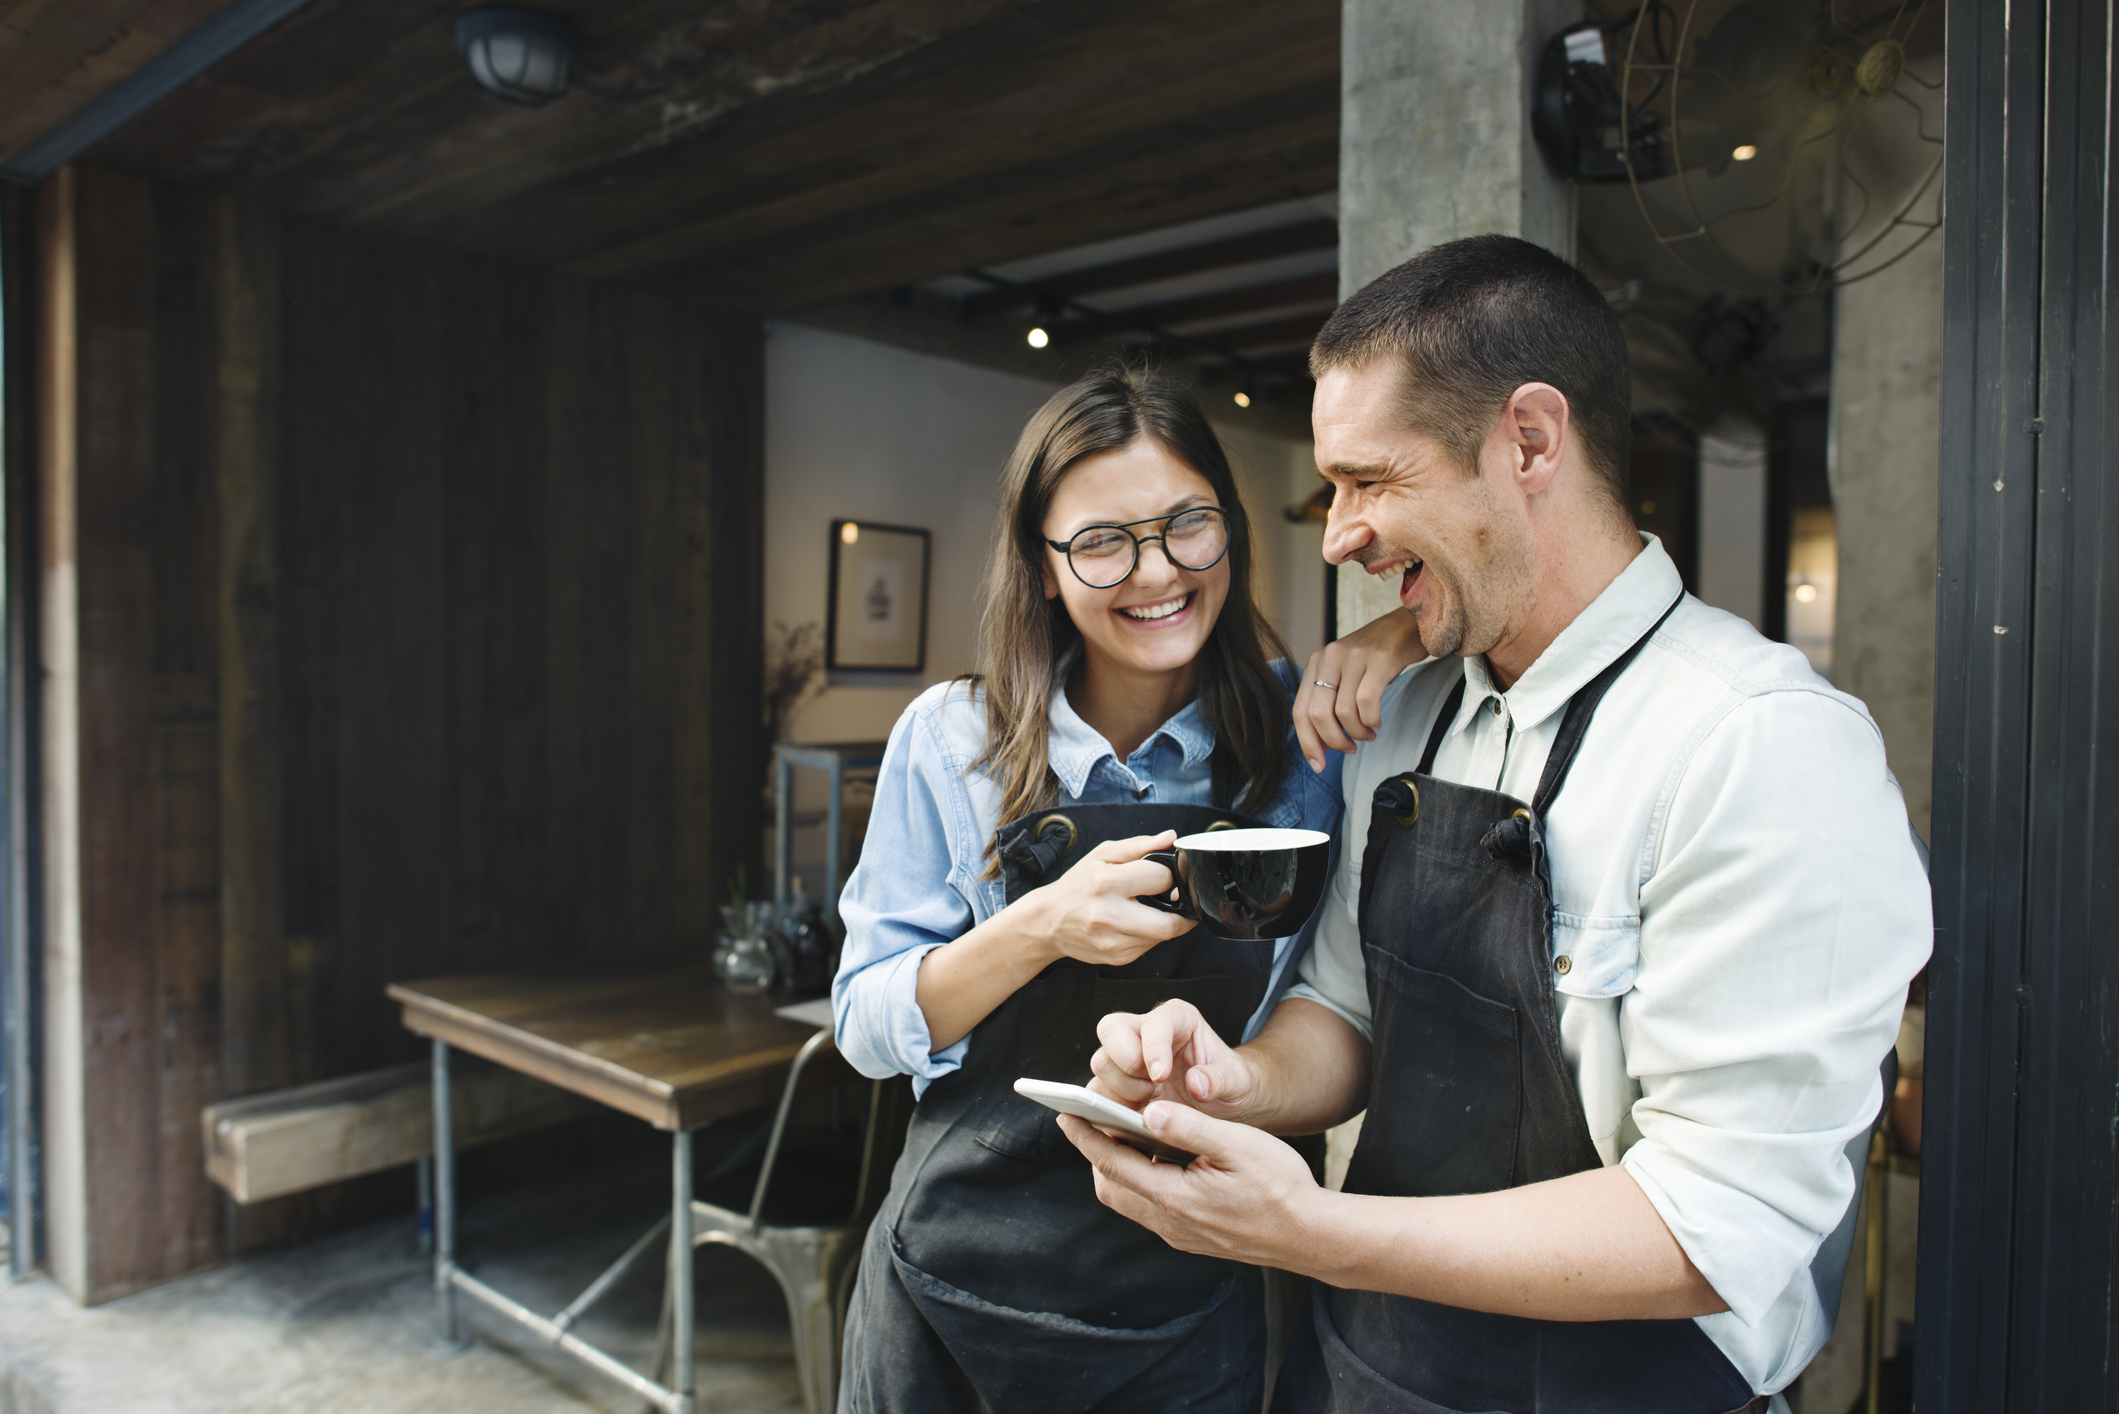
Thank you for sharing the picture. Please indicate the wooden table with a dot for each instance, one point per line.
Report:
(674, 1048)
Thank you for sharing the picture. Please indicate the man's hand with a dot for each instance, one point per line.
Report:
(1244, 1197)
(1359, 666)
(1171, 1054)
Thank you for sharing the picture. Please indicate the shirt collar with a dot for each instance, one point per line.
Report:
(1613, 623)
(1074, 747)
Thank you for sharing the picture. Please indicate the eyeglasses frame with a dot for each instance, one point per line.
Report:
(1228, 539)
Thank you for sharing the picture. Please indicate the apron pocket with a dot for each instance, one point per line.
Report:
(1352, 1387)
(1452, 1114)
(1036, 1360)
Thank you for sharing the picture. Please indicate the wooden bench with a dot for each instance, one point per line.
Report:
(286, 1141)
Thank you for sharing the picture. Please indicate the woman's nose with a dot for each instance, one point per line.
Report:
(1154, 563)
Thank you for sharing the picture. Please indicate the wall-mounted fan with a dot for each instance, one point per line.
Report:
(1771, 146)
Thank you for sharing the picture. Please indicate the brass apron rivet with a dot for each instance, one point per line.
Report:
(1414, 814)
(1037, 831)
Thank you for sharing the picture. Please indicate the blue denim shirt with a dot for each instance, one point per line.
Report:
(920, 880)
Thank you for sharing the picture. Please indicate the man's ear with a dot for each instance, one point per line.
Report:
(1536, 425)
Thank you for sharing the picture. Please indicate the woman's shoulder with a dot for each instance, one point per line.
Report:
(947, 721)
(1287, 672)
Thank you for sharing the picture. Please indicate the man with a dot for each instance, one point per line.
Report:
(1624, 915)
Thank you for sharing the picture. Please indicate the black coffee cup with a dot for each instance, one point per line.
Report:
(1246, 885)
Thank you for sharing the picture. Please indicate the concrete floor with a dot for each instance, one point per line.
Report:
(344, 1324)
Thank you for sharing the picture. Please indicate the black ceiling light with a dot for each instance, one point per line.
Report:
(518, 56)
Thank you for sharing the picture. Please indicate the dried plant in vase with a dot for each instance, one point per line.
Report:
(794, 674)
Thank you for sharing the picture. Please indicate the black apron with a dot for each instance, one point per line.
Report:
(1469, 1093)
(992, 1278)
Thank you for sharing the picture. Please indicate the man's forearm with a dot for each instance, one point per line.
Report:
(1588, 1247)
(1311, 1069)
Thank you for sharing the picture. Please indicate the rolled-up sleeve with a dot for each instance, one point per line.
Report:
(1783, 913)
(903, 900)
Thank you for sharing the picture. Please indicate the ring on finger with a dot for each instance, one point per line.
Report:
(1327, 686)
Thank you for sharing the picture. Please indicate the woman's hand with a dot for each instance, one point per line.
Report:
(1358, 667)
(1092, 913)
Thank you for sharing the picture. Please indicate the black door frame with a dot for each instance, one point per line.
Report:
(2018, 1233)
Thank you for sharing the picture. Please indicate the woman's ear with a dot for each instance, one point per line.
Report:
(1044, 572)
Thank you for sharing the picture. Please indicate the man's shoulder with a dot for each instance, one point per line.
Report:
(1720, 662)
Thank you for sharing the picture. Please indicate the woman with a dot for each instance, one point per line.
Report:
(1128, 685)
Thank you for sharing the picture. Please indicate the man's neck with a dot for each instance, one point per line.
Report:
(1572, 574)
(1125, 707)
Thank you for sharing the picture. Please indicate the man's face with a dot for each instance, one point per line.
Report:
(1404, 505)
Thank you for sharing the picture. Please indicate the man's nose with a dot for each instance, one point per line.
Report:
(1344, 536)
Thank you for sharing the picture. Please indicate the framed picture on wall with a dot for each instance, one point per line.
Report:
(876, 606)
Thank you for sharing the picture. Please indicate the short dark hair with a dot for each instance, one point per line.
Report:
(1475, 319)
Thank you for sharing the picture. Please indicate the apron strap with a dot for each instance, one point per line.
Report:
(1226, 775)
(1450, 707)
(1580, 709)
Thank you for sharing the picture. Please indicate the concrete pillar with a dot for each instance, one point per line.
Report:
(1885, 448)
(1435, 143)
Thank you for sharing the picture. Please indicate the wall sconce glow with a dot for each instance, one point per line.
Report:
(517, 56)
(1744, 153)
(1243, 400)
(849, 532)
(1039, 338)
(1805, 593)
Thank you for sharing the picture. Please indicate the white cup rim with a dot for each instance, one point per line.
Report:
(1266, 837)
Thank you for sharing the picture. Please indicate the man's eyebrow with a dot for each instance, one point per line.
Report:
(1353, 471)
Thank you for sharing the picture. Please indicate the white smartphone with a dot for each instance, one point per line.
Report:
(1108, 1115)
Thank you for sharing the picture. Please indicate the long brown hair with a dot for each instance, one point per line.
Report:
(1023, 635)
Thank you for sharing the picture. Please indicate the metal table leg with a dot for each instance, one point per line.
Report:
(449, 1339)
(680, 1304)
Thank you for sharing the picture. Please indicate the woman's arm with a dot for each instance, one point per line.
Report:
(1358, 667)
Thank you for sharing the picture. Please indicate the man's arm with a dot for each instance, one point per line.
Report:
(1589, 1247)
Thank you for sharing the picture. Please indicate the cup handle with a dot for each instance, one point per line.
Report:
(1183, 906)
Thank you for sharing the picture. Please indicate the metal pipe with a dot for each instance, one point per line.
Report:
(681, 1316)
(423, 1178)
(18, 944)
(675, 1402)
(444, 1197)
(565, 1319)
(783, 786)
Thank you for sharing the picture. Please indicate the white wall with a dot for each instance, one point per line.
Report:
(863, 431)
(1733, 518)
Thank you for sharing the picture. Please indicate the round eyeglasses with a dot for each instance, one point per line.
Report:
(1104, 555)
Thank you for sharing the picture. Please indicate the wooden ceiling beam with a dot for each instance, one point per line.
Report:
(1297, 239)
(1305, 289)
(840, 157)
(1287, 148)
(57, 56)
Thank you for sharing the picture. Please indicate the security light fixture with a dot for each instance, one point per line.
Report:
(517, 56)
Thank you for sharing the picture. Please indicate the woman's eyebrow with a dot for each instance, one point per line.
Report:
(1176, 507)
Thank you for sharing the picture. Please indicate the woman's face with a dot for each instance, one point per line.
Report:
(1157, 619)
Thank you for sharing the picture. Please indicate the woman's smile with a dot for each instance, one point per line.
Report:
(1163, 613)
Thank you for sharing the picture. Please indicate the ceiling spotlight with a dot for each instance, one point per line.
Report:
(1243, 399)
(1805, 593)
(1039, 338)
(1744, 153)
(518, 56)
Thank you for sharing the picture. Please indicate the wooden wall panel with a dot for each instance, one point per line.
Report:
(417, 630)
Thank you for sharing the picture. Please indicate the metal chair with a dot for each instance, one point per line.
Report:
(814, 1263)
